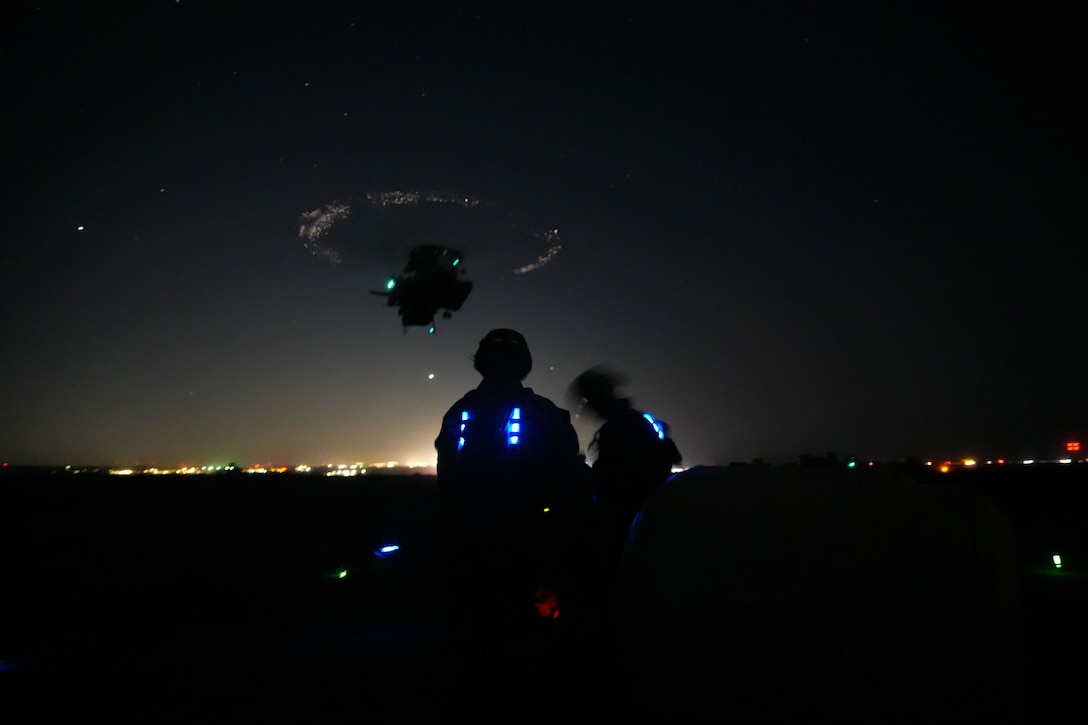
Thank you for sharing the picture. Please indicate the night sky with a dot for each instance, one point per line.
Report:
(795, 229)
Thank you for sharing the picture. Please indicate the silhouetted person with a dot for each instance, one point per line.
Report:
(634, 452)
(512, 483)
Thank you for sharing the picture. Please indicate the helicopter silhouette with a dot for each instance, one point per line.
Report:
(431, 281)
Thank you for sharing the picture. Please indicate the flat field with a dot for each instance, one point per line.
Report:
(189, 598)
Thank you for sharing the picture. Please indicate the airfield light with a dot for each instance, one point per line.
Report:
(1057, 559)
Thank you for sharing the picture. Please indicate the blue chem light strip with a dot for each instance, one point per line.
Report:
(513, 428)
(658, 428)
(465, 417)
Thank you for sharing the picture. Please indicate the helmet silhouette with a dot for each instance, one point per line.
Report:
(503, 354)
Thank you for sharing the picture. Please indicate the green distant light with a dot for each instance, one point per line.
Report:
(341, 574)
(1057, 559)
(391, 284)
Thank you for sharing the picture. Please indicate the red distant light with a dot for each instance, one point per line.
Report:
(1072, 446)
(1001, 461)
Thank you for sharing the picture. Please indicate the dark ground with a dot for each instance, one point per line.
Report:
(189, 598)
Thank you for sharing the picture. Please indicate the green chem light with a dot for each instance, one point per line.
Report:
(1057, 559)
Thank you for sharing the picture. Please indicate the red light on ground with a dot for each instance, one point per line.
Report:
(1072, 446)
(1001, 461)
(945, 468)
(546, 603)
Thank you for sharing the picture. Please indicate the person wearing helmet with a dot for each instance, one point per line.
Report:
(634, 453)
(502, 439)
(512, 483)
